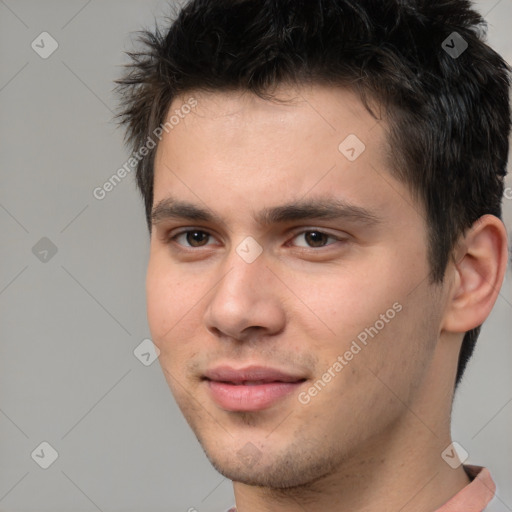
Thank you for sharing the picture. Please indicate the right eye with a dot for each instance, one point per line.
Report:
(193, 237)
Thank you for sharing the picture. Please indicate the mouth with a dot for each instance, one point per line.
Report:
(250, 389)
(255, 382)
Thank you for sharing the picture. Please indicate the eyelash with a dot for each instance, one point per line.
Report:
(173, 238)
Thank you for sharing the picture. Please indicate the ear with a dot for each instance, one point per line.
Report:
(479, 269)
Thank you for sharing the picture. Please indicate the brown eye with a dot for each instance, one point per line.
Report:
(315, 238)
(193, 237)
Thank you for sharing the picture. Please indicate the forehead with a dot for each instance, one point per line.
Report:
(327, 109)
(237, 149)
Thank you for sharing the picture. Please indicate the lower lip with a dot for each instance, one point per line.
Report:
(232, 397)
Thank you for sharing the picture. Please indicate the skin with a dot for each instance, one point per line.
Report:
(371, 439)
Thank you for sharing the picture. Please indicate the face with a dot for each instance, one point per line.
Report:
(288, 309)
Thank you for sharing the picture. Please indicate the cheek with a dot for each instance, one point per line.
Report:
(342, 304)
(156, 303)
(164, 300)
(371, 309)
(172, 301)
(400, 355)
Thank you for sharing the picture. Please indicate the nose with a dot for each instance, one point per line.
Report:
(246, 303)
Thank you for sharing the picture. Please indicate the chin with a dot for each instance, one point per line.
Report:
(285, 470)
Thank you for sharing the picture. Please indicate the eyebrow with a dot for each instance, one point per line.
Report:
(319, 208)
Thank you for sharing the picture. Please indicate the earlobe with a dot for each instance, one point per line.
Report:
(479, 269)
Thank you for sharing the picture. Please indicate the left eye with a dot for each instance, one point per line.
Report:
(313, 238)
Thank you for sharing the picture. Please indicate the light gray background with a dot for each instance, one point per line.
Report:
(69, 326)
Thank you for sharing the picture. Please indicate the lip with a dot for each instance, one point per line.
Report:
(252, 388)
(227, 373)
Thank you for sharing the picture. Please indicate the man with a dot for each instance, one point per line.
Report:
(322, 183)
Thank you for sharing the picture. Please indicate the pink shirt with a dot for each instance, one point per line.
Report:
(473, 498)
